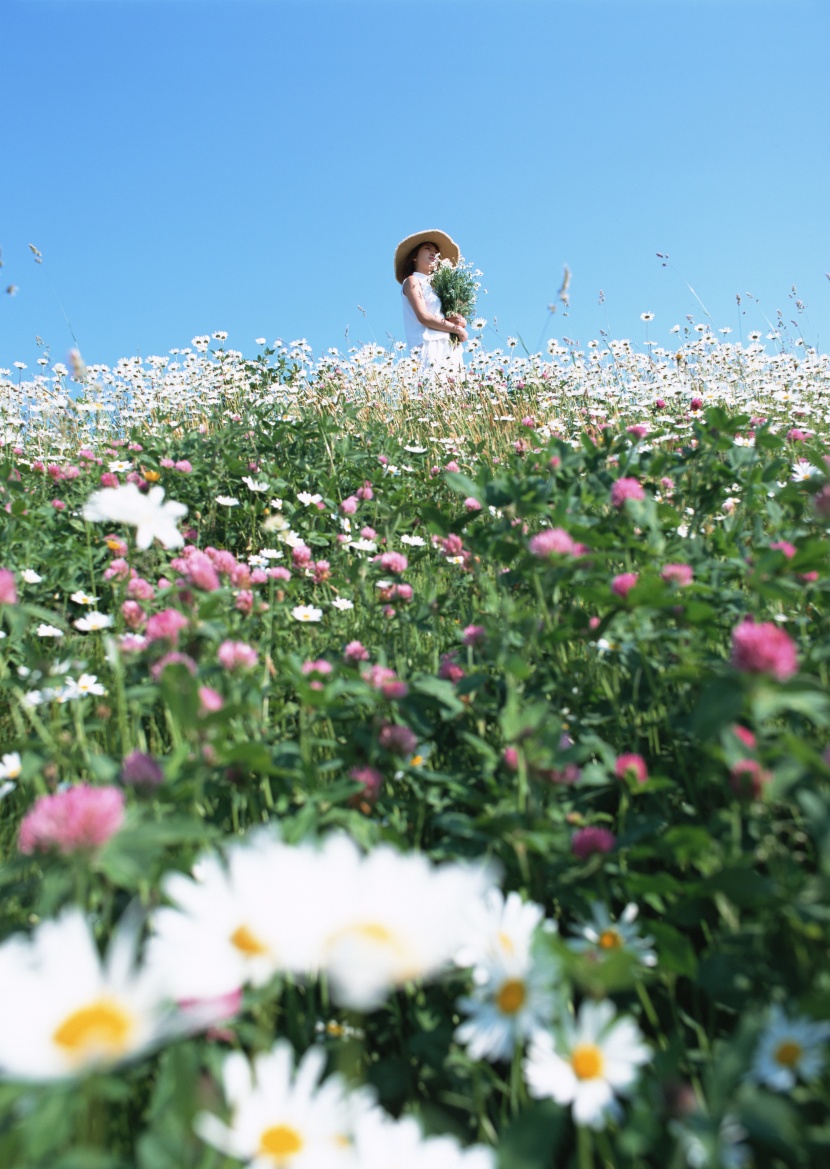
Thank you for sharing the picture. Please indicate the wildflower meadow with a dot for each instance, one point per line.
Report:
(401, 771)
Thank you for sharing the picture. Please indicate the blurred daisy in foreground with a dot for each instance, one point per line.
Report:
(65, 1012)
(381, 1142)
(386, 918)
(593, 1059)
(225, 929)
(790, 1049)
(603, 935)
(152, 518)
(282, 1118)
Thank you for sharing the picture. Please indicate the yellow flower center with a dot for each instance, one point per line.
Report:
(609, 940)
(102, 1028)
(248, 943)
(511, 996)
(113, 545)
(587, 1061)
(788, 1053)
(416, 761)
(280, 1142)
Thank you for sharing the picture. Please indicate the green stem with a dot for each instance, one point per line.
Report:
(584, 1147)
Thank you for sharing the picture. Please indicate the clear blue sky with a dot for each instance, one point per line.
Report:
(249, 165)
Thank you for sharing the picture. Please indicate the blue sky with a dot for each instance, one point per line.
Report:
(186, 166)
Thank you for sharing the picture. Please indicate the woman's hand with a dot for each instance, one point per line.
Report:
(457, 319)
(460, 332)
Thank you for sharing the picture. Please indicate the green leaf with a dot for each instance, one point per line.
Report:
(533, 1138)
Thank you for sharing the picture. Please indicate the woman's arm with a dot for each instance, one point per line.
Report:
(412, 292)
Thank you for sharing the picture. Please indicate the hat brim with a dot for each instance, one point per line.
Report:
(446, 245)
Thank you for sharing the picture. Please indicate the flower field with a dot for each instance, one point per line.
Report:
(399, 773)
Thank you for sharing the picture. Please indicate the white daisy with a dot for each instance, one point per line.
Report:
(387, 917)
(789, 1049)
(363, 545)
(86, 685)
(342, 603)
(306, 613)
(10, 766)
(30, 576)
(307, 499)
(593, 1059)
(413, 541)
(512, 1001)
(499, 929)
(148, 514)
(802, 471)
(604, 935)
(44, 630)
(119, 466)
(383, 1143)
(225, 928)
(227, 501)
(93, 622)
(271, 553)
(282, 1118)
(64, 1011)
(82, 598)
(257, 486)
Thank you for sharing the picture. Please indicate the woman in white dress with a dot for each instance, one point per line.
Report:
(427, 329)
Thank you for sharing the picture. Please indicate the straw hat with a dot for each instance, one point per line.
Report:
(446, 245)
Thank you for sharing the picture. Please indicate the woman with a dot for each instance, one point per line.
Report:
(427, 329)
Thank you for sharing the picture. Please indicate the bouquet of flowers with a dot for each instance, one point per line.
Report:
(456, 286)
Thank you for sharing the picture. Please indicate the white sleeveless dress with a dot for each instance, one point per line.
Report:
(435, 348)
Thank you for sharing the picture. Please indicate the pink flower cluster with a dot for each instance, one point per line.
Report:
(370, 779)
(166, 626)
(555, 542)
(474, 635)
(316, 671)
(625, 489)
(394, 562)
(590, 841)
(449, 669)
(236, 655)
(679, 574)
(631, 768)
(386, 681)
(79, 818)
(355, 652)
(397, 739)
(624, 583)
(8, 589)
(763, 648)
